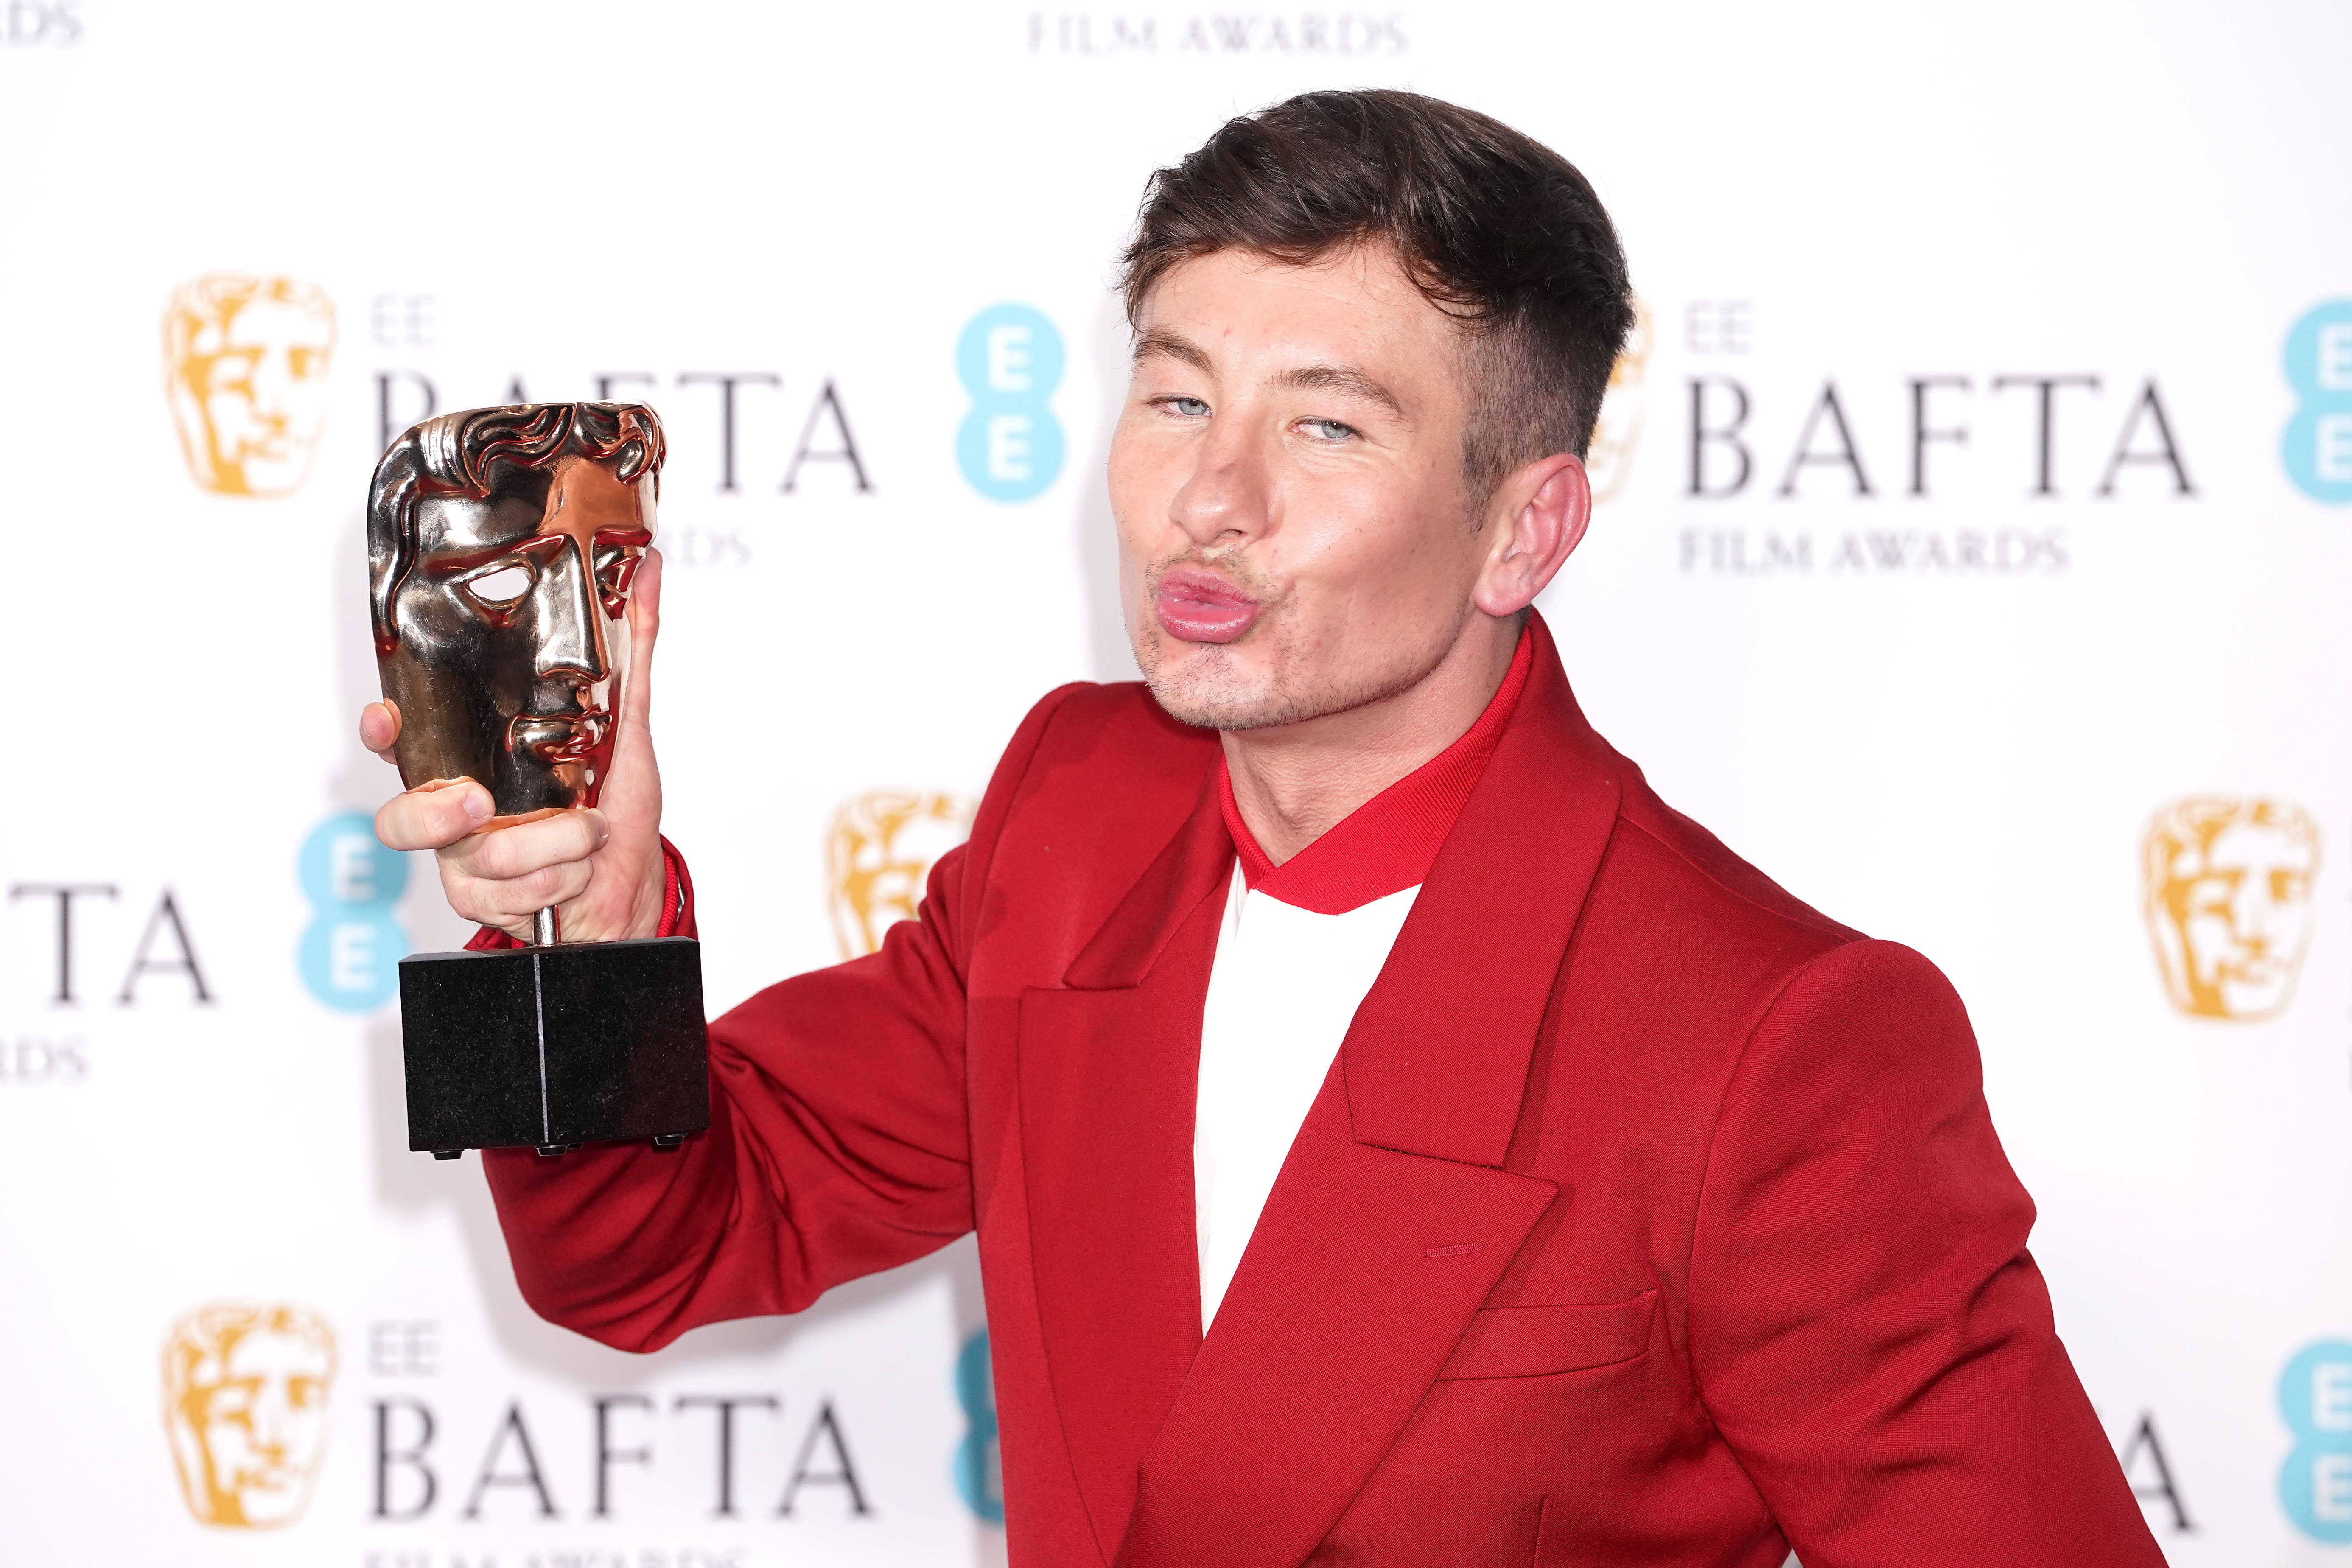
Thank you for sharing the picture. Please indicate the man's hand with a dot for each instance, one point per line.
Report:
(602, 869)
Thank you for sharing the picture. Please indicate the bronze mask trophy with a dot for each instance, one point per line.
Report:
(501, 544)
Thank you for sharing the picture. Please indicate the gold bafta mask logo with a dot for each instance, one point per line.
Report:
(877, 854)
(1615, 434)
(2228, 897)
(245, 1401)
(245, 360)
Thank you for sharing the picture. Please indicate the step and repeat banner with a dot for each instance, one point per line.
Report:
(1975, 558)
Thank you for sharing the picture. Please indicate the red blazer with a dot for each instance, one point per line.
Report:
(1646, 1216)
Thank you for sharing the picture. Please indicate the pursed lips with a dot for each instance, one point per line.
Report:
(1197, 605)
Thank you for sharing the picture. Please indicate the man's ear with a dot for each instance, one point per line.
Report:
(1538, 515)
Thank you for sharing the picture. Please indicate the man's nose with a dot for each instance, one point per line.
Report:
(1224, 498)
(571, 622)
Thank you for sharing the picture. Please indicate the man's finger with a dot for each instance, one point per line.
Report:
(380, 727)
(434, 816)
(527, 847)
(523, 896)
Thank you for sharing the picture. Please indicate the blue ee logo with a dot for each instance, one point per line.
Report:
(2315, 1484)
(2319, 442)
(979, 1467)
(352, 947)
(1010, 445)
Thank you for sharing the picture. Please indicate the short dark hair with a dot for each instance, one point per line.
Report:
(1494, 229)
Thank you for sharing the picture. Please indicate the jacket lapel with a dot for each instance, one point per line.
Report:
(1362, 1273)
(1392, 1217)
(1108, 1067)
(1436, 1061)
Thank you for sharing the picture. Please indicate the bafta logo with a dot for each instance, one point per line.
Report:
(1618, 430)
(877, 854)
(2228, 897)
(245, 361)
(245, 1401)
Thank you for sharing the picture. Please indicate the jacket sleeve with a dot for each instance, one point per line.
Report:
(838, 1144)
(1867, 1329)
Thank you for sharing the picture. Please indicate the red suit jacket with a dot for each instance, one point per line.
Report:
(1645, 1217)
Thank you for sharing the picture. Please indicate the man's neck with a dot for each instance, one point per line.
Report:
(1295, 782)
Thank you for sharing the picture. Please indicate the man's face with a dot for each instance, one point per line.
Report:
(259, 1413)
(257, 378)
(2243, 907)
(510, 629)
(1295, 537)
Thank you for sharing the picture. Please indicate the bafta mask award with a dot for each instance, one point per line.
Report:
(501, 544)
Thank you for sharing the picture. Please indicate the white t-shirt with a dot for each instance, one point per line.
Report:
(1285, 986)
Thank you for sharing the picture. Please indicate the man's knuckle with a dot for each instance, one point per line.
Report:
(497, 856)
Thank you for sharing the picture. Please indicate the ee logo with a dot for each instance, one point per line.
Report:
(1010, 445)
(979, 1465)
(2315, 1483)
(2318, 447)
(352, 947)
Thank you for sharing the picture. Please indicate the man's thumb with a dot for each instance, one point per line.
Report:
(645, 626)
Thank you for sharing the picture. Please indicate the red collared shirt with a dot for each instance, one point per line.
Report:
(1389, 842)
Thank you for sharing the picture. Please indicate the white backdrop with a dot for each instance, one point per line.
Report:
(1939, 685)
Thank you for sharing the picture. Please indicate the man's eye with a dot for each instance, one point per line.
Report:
(1327, 430)
(501, 587)
(1190, 407)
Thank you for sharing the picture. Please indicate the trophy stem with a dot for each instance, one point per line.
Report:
(544, 932)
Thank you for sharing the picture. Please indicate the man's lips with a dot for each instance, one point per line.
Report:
(1201, 606)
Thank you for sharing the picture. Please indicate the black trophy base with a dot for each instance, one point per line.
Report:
(554, 1047)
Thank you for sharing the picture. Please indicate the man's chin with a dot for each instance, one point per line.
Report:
(1205, 715)
(1215, 705)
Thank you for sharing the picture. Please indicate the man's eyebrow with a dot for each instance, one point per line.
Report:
(1171, 346)
(1341, 378)
(1338, 378)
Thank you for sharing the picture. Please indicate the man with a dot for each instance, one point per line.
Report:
(1551, 1186)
